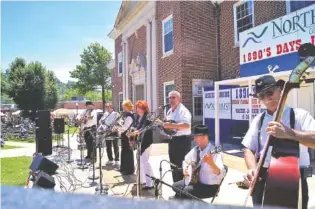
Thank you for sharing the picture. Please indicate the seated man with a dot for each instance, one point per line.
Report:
(209, 174)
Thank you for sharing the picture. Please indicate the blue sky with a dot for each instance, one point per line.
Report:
(55, 33)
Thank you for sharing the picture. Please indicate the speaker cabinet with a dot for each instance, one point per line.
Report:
(43, 140)
(40, 163)
(44, 180)
(59, 125)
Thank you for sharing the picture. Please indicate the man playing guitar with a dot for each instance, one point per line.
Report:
(210, 172)
(88, 128)
(180, 144)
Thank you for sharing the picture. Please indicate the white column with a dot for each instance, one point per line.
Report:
(127, 68)
(123, 71)
(154, 66)
(147, 82)
(250, 101)
(216, 114)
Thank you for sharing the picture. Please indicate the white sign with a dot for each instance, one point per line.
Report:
(240, 107)
(278, 37)
(224, 101)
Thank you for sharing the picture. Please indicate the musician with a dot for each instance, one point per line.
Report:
(106, 121)
(127, 157)
(180, 144)
(281, 131)
(89, 122)
(141, 121)
(269, 92)
(211, 170)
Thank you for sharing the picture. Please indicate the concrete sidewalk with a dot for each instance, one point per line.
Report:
(72, 178)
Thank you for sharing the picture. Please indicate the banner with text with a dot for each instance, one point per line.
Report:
(224, 101)
(240, 107)
(273, 45)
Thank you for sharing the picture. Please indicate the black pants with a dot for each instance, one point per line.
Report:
(126, 159)
(178, 147)
(198, 190)
(89, 137)
(109, 144)
(259, 190)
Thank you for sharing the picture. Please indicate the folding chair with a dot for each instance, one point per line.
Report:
(217, 193)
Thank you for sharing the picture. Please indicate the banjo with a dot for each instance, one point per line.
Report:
(193, 169)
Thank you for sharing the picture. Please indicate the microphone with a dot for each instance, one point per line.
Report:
(164, 106)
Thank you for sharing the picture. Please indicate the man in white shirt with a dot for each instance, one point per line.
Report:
(180, 143)
(269, 92)
(88, 128)
(210, 172)
(106, 122)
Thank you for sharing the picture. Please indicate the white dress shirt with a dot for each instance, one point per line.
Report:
(180, 115)
(127, 123)
(303, 122)
(206, 173)
(108, 119)
(90, 122)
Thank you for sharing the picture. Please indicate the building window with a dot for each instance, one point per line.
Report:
(120, 63)
(168, 35)
(292, 6)
(168, 87)
(243, 17)
(121, 99)
(198, 107)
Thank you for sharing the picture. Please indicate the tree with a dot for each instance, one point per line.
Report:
(93, 71)
(31, 86)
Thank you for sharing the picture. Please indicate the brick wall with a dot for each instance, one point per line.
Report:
(136, 46)
(264, 12)
(117, 82)
(168, 68)
(194, 54)
(199, 45)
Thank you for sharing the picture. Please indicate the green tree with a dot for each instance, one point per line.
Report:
(93, 71)
(31, 86)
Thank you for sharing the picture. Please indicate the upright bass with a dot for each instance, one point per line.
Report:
(282, 188)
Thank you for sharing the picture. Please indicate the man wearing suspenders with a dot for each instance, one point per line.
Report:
(269, 92)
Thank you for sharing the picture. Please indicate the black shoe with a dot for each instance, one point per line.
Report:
(87, 157)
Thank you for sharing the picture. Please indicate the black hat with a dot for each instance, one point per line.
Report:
(266, 82)
(200, 130)
(88, 103)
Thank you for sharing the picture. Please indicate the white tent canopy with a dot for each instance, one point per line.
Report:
(249, 81)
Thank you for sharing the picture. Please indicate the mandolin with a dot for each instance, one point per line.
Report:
(283, 174)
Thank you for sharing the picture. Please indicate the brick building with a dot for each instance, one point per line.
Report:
(183, 45)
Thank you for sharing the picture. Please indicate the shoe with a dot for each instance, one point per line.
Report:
(87, 157)
(173, 197)
(117, 163)
(147, 188)
(109, 163)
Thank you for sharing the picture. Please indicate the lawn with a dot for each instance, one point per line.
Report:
(72, 129)
(14, 170)
(9, 147)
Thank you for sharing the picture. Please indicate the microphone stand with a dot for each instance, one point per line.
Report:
(160, 169)
(101, 188)
(93, 177)
(158, 181)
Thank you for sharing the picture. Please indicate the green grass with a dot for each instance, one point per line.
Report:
(14, 170)
(72, 129)
(17, 139)
(9, 147)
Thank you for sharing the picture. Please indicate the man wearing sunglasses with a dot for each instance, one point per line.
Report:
(180, 144)
(268, 90)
